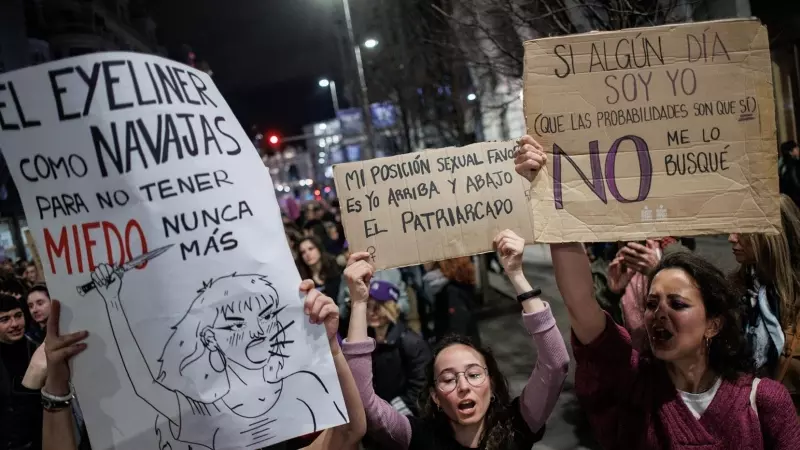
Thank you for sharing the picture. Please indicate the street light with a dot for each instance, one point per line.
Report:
(369, 150)
(471, 97)
(332, 85)
(371, 43)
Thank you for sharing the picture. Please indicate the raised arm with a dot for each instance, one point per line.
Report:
(58, 426)
(358, 347)
(570, 263)
(109, 283)
(322, 309)
(541, 393)
(574, 280)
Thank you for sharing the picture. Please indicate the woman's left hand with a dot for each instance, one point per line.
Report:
(641, 258)
(320, 309)
(510, 248)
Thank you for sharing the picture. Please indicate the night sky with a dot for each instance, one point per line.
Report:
(266, 55)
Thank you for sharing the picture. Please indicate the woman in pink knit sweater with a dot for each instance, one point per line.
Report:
(691, 387)
(466, 403)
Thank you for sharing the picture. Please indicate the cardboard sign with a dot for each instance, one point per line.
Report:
(652, 132)
(159, 231)
(432, 205)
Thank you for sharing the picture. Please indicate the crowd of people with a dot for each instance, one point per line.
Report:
(670, 352)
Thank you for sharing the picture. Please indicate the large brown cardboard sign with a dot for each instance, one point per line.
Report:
(432, 205)
(651, 132)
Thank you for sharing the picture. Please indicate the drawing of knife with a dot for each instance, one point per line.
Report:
(139, 260)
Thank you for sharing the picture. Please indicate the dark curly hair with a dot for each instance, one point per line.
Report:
(729, 353)
(498, 427)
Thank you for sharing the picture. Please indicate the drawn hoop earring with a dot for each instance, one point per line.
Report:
(216, 360)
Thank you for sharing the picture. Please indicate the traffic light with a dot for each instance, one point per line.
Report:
(273, 140)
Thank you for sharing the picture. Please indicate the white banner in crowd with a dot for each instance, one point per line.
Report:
(160, 233)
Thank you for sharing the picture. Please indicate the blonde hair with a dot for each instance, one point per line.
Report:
(389, 310)
(777, 260)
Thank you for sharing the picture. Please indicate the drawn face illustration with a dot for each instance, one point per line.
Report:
(247, 328)
(234, 322)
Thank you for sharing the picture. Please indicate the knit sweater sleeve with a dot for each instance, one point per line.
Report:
(541, 393)
(382, 418)
(605, 371)
(779, 424)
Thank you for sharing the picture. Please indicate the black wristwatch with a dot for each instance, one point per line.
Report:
(55, 403)
(533, 293)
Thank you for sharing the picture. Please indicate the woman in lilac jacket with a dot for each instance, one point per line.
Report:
(466, 402)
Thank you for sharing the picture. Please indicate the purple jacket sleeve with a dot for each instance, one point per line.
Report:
(541, 393)
(382, 418)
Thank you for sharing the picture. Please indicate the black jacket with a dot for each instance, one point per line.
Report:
(398, 366)
(20, 408)
(789, 171)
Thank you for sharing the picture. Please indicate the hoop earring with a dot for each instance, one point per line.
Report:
(218, 363)
(492, 399)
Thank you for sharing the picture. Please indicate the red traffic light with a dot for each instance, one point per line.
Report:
(273, 139)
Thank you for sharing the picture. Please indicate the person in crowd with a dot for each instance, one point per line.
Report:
(31, 275)
(466, 403)
(392, 276)
(316, 211)
(6, 266)
(317, 265)
(58, 430)
(691, 387)
(401, 355)
(789, 170)
(334, 232)
(293, 238)
(627, 278)
(342, 258)
(451, 286)
(39, 304)
(769, 277)
(20, 407)
(336, 210)
(316, 229)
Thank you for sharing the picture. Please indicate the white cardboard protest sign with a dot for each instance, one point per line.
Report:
(160, 233)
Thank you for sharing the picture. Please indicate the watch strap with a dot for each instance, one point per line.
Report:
(52, 402)
(533, 293)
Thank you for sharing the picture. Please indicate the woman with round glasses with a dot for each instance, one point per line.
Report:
(466, 403)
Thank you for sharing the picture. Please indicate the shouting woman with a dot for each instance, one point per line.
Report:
(466, 403)
(690, 388)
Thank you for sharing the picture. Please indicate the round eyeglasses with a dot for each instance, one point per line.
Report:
(447, 381)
